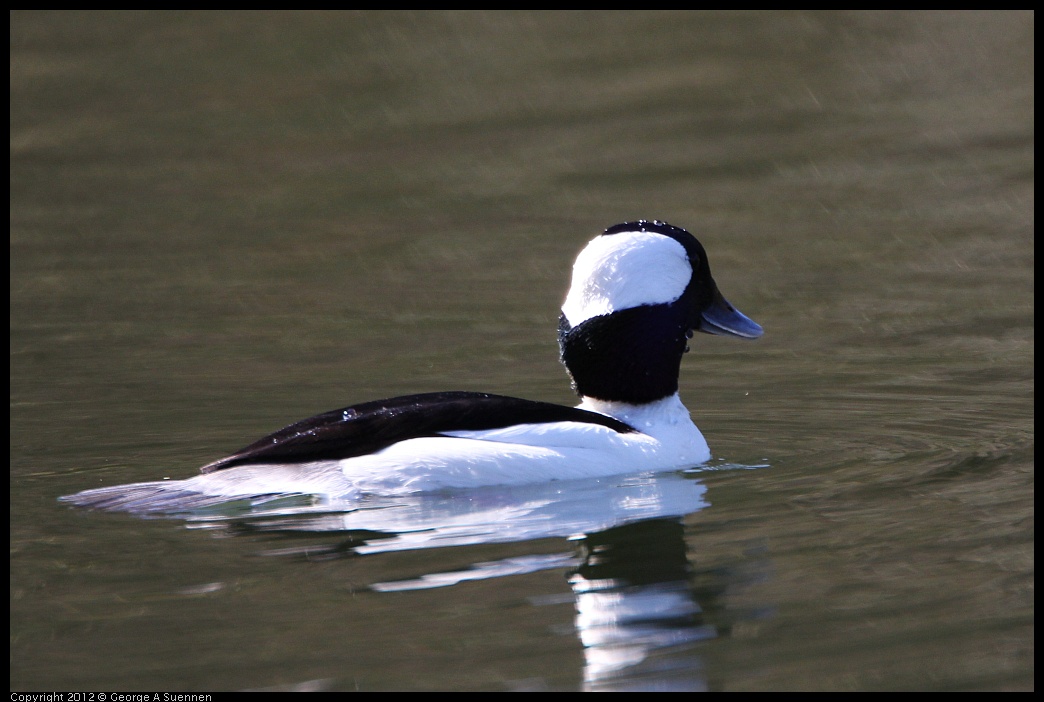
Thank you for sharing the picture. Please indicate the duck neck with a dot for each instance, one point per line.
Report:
(666, 411)
(631, 356)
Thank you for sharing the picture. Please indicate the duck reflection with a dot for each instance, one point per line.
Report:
(637, 616)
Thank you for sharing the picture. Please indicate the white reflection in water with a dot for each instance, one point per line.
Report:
(637, 616)
(568, 508)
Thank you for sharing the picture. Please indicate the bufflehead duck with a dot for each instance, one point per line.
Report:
(638, 292)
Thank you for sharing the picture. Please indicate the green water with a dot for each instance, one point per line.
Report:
(224, 222)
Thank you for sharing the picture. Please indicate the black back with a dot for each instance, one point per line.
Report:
(372, 426)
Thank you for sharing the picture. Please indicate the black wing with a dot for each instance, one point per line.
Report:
(372, 426)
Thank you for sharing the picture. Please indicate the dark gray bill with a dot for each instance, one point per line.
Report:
(722, 318)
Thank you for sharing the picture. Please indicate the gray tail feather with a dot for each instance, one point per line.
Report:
(155, 498)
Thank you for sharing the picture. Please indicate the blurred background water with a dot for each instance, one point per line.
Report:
(225, 222)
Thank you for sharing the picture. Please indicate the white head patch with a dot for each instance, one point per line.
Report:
(619, 271)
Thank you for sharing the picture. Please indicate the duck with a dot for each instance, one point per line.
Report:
(639, 291)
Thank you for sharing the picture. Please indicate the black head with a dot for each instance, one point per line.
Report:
(638, 292)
